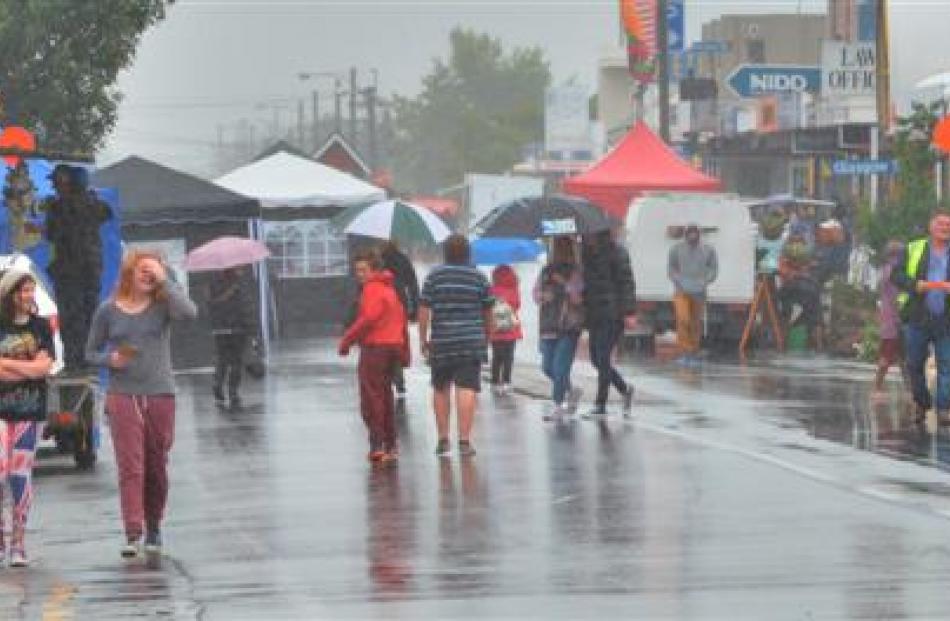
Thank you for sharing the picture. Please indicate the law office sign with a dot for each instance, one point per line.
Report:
(848, 69)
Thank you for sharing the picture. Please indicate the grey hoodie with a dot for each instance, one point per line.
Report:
(692, 268)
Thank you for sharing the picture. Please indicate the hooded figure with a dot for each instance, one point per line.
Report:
(73, 219)
(692, 267)
(506, 326)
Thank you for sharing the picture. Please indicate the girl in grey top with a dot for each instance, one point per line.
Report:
(131, 334)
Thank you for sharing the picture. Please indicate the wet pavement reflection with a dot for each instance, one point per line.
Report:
(725, 498)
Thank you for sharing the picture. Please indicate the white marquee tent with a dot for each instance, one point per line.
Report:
(286, 180)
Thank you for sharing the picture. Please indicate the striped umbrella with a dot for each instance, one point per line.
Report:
(398, 220)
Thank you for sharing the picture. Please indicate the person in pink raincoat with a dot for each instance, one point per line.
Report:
(506, 326)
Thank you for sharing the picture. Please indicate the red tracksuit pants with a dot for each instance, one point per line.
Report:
(375, 372)
(143, 429)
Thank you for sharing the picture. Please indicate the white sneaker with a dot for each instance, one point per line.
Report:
(574, 398)
(506, 389)
(558, 413)
(18, 558)
(130, 549)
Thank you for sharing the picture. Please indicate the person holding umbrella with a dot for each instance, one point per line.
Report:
(231, 309)
(558, 293)
(407, 288)
(230, 306)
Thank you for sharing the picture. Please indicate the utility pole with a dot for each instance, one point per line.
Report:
(663, 69)
(337, 107)
(354, 93)
(883, 87)
(370, 93)
(883, 68)
(315, 130)
(300, 124)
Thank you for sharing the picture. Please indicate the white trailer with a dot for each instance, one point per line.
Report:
(655, 223)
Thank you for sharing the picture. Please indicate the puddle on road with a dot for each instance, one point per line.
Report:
(831, 401)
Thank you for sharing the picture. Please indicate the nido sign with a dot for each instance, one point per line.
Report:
(848, 69)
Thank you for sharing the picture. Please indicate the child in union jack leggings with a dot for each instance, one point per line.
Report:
(26, 358)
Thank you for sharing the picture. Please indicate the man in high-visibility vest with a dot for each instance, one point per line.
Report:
(923, 275)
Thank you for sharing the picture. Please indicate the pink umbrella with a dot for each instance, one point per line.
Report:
(225, 252)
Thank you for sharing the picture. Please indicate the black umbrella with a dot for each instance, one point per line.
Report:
(544, 216)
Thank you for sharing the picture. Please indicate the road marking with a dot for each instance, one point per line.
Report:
(56, 607)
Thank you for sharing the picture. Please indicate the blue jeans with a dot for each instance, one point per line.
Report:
(917, 341)
(604, 336)
(557, 358)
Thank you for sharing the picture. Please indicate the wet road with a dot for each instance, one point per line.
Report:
(778, 491)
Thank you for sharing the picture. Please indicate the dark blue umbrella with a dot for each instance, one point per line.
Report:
(544, 216)
(496, 251)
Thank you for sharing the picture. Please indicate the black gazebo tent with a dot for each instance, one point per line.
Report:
(176, 212)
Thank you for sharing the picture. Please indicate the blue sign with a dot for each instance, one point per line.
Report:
(863, 167)
(675, 25)
(755, 80)
(867, 20)
(709, 47)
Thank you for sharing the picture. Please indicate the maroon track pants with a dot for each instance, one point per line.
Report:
(143, 429)
(375, 372)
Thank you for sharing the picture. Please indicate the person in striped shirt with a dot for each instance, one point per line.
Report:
(454, 319)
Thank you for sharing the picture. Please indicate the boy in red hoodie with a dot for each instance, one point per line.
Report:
(506, 331)
(379, 329)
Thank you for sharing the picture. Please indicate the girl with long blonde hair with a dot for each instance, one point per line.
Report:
(131, 336)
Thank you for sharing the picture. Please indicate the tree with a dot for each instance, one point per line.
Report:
(915, 196)
(60, 61)
(475, 113)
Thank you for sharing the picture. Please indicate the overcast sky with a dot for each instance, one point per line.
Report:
(214, 62)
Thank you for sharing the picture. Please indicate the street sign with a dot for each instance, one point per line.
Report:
(846, 168)
(709, 47)
(675, 25)
(755, 80)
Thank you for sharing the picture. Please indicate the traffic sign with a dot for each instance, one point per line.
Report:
(709, 47)
(843, 168)
(675, 25)
(755, 80)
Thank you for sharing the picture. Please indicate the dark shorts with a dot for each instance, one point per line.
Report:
(464, 373)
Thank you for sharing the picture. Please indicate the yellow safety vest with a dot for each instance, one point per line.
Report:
(915, 252)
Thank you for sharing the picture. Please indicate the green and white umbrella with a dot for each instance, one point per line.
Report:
(397, 220)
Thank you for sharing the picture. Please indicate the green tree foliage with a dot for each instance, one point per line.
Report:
(475, 113)
(59, 60)
(915, 195)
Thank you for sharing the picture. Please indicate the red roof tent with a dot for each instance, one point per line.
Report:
(640, 162)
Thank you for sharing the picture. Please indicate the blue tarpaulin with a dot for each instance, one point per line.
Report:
(110, 232)
(498, 251)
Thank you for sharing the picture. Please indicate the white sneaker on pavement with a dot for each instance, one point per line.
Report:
(574, 398)
(18, 558)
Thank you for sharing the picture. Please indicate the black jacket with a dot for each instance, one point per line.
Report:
(404, 280)
(915, 311)
(231, 306)
(609, 289)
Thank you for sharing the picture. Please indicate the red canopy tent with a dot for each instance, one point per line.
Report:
(640, 162)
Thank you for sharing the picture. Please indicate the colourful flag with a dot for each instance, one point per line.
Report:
(639, 23)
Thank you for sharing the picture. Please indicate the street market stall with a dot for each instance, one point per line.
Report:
(640, 162)
(309, 265)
